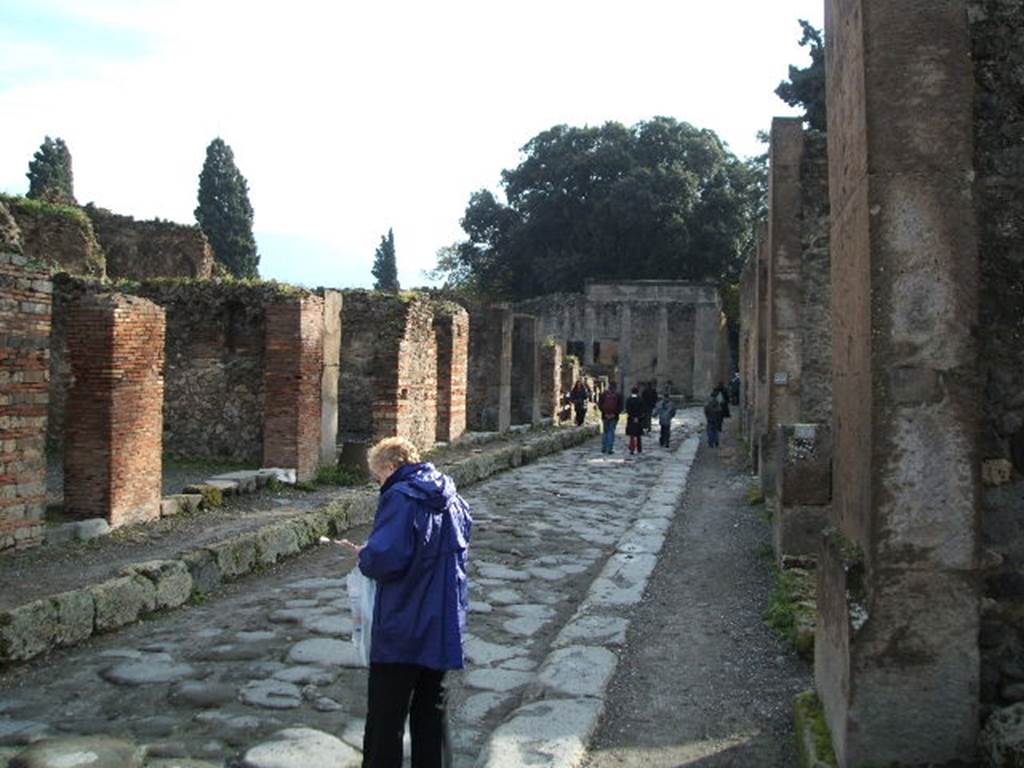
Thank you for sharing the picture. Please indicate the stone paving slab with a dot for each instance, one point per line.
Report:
(220, 682)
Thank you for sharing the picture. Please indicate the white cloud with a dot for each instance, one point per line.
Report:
(351, 118)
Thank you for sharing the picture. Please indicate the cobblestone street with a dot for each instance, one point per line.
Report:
(561, 552)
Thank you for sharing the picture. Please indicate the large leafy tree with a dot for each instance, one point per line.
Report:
(49, 173)
(224, 212)
(661, 199)
(806, 86)
(385, 267)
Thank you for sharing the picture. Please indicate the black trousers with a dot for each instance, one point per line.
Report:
(398, 691)
(666, 434)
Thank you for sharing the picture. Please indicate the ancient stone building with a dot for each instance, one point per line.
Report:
(56, 234)
(669, 332)
(138, 250)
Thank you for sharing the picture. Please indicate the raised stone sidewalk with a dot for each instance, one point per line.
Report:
(147, 586)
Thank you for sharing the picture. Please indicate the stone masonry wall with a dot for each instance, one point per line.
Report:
(292, 380)
(25, 306)
(451, 332)
(525, 371)
(113, 455)
(997, 42)
(139, 250)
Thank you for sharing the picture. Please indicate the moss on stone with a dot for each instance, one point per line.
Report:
(815, 740)
(791, 611)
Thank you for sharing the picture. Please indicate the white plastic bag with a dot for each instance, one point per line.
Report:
(362, 592)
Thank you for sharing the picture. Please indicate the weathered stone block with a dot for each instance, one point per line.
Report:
(171, 580)
(211, 495)
(122, 601)
(76, 617)
(996, 472)
(804, 455)
(27, 630)
(1001, 743)
(276, 542)
(235, 557)
(202, 567)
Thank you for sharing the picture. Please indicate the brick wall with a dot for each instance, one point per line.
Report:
(292, 381)
(25, 305)
(112, 450)
(389, 369)
(451, 331)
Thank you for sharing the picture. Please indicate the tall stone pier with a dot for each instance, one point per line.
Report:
(896, 656)
(451, 330)
(525, 371)
(489, 392)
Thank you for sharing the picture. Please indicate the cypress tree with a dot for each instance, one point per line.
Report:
(385, 268)
(224, 212)
(49, 173)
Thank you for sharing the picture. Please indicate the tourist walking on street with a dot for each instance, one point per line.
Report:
(610, 406)
(713, 414)
(722, 394)
(649, 397)
(635, 421)
(665, 410)
(417, 553)
(579, 396)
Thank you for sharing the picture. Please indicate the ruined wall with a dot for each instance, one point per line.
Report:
(748, 344)
(25, 306)
(525, 400)
(389, 369)
(112, 450)
(138, 250)
(57, 234)
(896, 647)
(489, 394)
(997, 42)
(550, 379)
(560, 316)
(451, 332)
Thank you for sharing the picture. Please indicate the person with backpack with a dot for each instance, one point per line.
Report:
(610, 406)
(649, 396)
(579, 396)
(665, 410)
(714, 415)
(635, 421)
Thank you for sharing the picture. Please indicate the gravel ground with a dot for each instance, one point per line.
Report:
(703, 681)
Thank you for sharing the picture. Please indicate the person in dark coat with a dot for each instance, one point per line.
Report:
(713, 414)
(649, 397)
(635, 421)
(665, 410)
(610, 406)
(417, 553)
(722, 394)
(579, 395)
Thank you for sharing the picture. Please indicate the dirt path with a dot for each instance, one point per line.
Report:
(704, 682)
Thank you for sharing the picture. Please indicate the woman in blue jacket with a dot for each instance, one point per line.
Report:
(417, 553)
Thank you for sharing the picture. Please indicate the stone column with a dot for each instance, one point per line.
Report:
(784, 294)
(525, 394)
(706, 323)
(661, 371)
(626, 374)
(293, 360)
(114, 423)
(330, 379)
(759, 420)
(25, 314)
(489, 395)
(590, 323)
(550, 379)
(896, 651)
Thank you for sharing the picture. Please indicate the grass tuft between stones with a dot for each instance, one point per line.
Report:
(791, 612)
(810, 716)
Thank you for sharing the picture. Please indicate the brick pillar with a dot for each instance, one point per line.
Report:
(784, 328)
(550, 379)
(25, 307)
(896, 652)
(330, 379)
(451, 331)
(525, 371)
(489, 397)
(113, 442)
(292, 377)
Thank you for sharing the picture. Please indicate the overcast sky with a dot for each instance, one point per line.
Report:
(350, 118)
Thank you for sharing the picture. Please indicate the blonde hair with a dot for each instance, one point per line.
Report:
(392, 451)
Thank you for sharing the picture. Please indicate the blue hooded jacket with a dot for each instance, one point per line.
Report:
(418, 553)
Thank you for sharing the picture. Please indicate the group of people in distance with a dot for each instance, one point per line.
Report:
(642, 405)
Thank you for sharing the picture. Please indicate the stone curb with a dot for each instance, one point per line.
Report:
(69, 618)
(559, 715)
(815, 744)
